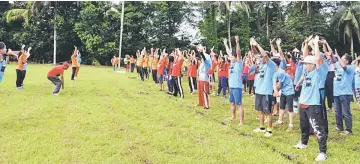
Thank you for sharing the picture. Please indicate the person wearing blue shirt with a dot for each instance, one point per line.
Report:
(264, 91)
(298, 72)
(203, 77)
(311, 113)
(357, 79)
(282, 81)
(344, 75)
(235, 79)
(3, 56)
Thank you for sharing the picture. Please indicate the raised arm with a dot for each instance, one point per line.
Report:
(278, 42)
(272, 46)
(319, 59)
(227, 47)
(238, 51)
(263, 53)
(306, 46)
(342, 64)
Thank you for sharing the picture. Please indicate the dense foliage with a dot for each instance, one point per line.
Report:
(157, 24)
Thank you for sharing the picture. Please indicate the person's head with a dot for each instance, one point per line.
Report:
(233, 58)
(2, 48)
(277, 61)
(310, 63)
(346, 59)
(66, 65)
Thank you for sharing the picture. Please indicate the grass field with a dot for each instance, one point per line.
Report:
(104, 118)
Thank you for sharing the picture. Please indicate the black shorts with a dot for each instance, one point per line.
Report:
(297, 93)
(286, 102)
(263, 103)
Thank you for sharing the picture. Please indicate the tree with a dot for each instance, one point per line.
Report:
(15, 14)
(347, 22)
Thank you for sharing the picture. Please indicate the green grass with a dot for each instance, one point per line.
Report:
(101, 118)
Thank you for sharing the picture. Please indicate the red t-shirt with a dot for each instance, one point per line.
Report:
(192, 71)
(177, 67)
(291, 70)
(213, 67)
(56, 71)
(251, 76)
(223, 69)
(161, 67)
(227, 68)
(246, 70)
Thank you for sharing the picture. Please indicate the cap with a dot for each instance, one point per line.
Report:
(66, 64)
(309, 60)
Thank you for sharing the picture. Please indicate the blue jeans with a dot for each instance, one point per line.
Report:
(222, 85)
(2, 69)
(342, 112)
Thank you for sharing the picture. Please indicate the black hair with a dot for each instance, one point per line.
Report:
(171, 59)
(2, 45)
(276, 61)
(348, 58)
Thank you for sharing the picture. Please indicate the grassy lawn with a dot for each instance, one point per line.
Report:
(103, 118)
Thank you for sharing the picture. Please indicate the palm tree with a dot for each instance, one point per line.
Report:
(16, 14)
(347, 22)
(225, 7)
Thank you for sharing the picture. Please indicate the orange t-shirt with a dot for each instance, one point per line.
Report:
(74, 62)
(145, 62)
(155, 63)
(161, 67)
(21, 62)
(132, 60)
(56, 71)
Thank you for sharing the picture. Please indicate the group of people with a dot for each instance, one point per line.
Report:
(282, 82)
(53, 75)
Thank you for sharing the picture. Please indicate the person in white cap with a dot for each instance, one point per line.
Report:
(311, 114)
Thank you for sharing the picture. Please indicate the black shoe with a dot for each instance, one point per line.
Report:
(206, 108)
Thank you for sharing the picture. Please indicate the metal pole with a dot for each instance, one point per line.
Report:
(121, 30)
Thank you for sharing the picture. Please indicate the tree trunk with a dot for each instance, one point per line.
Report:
(55, 36)
(267, 20)
(308, 7)
(229, 34)
(121, 30)
(352, 47)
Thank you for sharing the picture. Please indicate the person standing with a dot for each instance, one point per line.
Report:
(311, 114)
(19, 68)
(192, 72)
(203, 83)
(132, 64)
(53, 76)
(235, 81)
(264, 91)
(74, 63)
(154, 64)
(176, 74)
(27, 54)
(223, 70)
(3, 58)
(78, 57)
(343, 92)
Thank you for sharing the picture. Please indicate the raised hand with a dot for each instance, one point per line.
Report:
(237, 38)
(29, 49)
(316, 39)
(307, 40)
(272, 41)
(23, 46)
(225, 41)
(253, 42)
(212, 49)
(278, 41)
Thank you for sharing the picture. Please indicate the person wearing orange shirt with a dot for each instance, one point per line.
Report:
(170, 63)
(192, 72)
(154, 64)
(176, 74)
(145, 63)
(160, 70)
(53, 76)
(74, 63)
(115, 62)
(132, 64)
(20, 67)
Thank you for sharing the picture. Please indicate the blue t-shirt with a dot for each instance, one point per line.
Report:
(282, 64)
(235, 71)
(298, 72)
(264, 85)
(287, 87)
(310, 93)
(357, 77)
(252, 69)
(204, 68)
(323, 70)
(343, 80)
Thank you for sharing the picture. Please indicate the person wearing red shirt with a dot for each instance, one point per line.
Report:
(169, 71)
(192, 72)
(160, 70)
(245, 75)
(53, 76)
(252, 70)
(223, 69)
(176, 74)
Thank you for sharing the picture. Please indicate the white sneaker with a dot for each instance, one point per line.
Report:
(55, 94)
(258, 130)
(300, 145)
(321, 157)
(268, 134)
